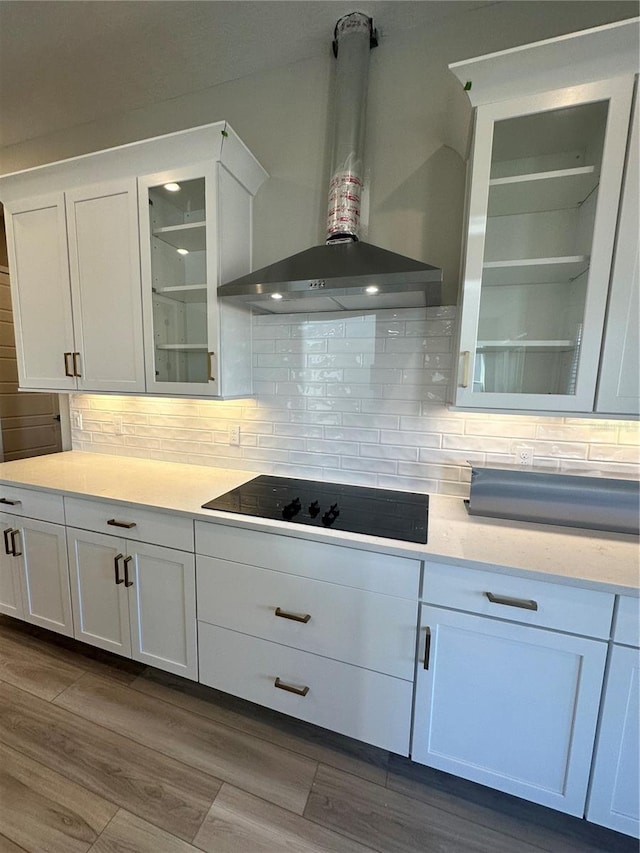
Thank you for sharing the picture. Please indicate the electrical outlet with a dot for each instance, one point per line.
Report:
(77, 420)
(234, 435)
(524, 455)
(117, 424)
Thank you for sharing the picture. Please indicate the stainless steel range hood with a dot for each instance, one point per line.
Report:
(345, 274)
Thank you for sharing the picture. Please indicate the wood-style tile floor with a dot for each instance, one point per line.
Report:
(101, 754)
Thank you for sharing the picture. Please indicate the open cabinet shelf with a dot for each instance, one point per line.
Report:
(539, 346)
(541, 191)
(184, 292)
(534, 270)
(183, 347)
(191, 236)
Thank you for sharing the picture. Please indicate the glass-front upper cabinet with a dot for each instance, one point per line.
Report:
(196, 227)
(543, 204)
(179, 276)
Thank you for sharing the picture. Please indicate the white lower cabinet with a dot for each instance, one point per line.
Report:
(134, 599)
(354, 701)
(510, 669)
(34, 574)
(338, 622)
(322, 632)
(10, 595)
(508, 693)
(509, 706)
(614, 799)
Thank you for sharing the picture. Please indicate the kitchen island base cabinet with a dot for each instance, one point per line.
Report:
(509, 706)
(135, 599)
(353, 701)
(34, 574)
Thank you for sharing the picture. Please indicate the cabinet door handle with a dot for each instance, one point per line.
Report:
(7, 547)
(290, 688)
(75, 357)
(115, 523)
(427, 648)
(67, 369)
(210, 376)
(127, 582)
(13, 534)
(295, 617)
(116, 565)
(9, 502)
(464, 373)
(524, 603)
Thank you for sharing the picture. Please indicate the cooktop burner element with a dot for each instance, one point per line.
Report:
(357, 509)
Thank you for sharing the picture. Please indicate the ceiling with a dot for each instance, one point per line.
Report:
(65, 63)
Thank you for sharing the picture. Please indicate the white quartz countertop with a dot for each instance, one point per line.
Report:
(594, 559)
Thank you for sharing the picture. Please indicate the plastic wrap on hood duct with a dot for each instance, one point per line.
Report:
(352, 43)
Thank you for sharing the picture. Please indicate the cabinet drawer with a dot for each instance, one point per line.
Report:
(381, 573)
(356, 702)
(532, 602)
(32, 504)
(363, 628)
(137, 523)
(627, 629)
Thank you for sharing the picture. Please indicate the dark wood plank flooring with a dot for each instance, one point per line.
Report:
(104, 755)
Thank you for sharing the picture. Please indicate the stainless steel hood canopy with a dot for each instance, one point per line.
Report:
(345, 274)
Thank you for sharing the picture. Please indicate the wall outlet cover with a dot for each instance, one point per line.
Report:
(524, 455)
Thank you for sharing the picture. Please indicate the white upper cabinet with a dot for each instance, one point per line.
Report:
(104, 263)
(37, 245)
(76, 289)
(195, 225)
(545, 181)
(85, 320)
(619, 384)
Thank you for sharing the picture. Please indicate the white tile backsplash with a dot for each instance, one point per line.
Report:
(351, 398)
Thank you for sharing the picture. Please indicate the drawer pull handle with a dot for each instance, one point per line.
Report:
(9, 502)
(210, 358)
(291, 688)
(427, 648)
(13, 534)
(116, 564)
(296, 617)
(7, 547)
(75, 356)
(115, 523)
(524, 603)
(464, 373)
(67, 370)
(127, 582)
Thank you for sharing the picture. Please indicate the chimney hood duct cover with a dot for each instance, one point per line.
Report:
(345, 274)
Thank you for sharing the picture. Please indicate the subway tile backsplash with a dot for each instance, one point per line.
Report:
(351, 398)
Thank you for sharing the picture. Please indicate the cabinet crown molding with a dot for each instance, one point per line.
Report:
(599, 53)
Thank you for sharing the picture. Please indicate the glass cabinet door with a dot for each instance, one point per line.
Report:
(541, 228)
(178, 276)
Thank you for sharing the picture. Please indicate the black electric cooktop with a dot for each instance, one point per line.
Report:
(357, 509)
